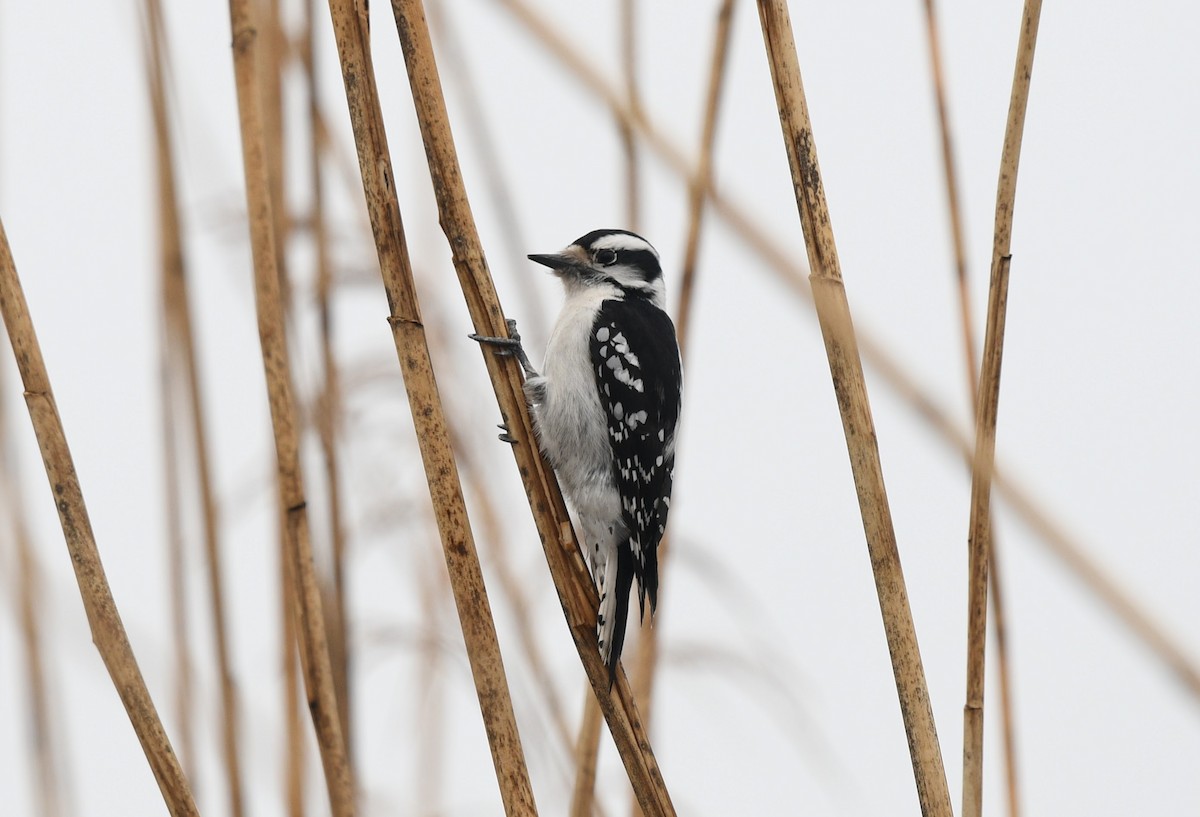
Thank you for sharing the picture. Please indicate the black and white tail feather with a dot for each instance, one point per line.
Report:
(606, 410)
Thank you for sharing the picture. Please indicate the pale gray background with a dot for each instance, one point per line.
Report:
(777, 696)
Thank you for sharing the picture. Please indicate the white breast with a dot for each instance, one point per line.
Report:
(571, 424)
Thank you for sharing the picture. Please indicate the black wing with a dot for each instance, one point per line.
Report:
(637, 367)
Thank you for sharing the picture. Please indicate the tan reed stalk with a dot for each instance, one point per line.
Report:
(576, 593)
(1007, 719)
(176, 546)
(181, 342)
(177, 570)
(647, 662)
(745, 227)
(412, 349)
(986, 411)
(587, 752)
(960, 264)
(27, 589)
(700, 182)
(274, 54)
(290, 658)
(633, 199)
(329, 413)
(318, 673)
(589, 726)
(833, 312)
(108, 632)
(979, 543)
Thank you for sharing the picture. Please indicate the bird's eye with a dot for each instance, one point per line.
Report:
(606, 257)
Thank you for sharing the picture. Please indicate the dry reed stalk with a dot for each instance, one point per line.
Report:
(329, 412)
(108, 632)
(779, 260)
(833, 313)
(182, 349)
(412, 349)
(176, 545)
(576, 593)
(587, 753)
(647, 661)
(586, 756)
(318, 673)
(960, 264)
(273, 57)
(27, 590)
(629, 146)
(985, 418)
(177, 571)
(700, 182)
(979, 542)
(1003, 674)
(290, 666)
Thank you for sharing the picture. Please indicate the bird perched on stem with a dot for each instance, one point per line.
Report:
(605, 412)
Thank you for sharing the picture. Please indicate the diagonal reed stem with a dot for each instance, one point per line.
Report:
(433, 437)
(318, 671)
(574, 586)
(108, 632)
(833, 313)
(182, 349)
(995, 596)
(629, 145)
(648, 653)
(329, 411)
(698, 187)
(985, 420)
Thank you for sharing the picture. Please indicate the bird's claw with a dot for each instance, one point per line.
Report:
(504, 346)
(509, 346)
(506, 436)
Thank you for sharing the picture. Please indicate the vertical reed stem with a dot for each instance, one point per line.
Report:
(833, 313)
(182, 349)
(698, 185)
(329, 414)
(433, 438)
(318, 672)
(979, 543)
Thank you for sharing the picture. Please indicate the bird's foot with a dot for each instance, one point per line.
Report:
(509, 347)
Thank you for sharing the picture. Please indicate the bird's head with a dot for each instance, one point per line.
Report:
(617, 257)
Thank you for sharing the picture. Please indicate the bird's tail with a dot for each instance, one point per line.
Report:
(614, 585)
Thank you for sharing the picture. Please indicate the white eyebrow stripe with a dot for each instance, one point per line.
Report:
(621, 241)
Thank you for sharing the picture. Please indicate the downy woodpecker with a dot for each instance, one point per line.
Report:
(605, 412)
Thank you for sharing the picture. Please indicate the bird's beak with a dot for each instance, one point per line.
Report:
(559, 262)
(573, 261)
